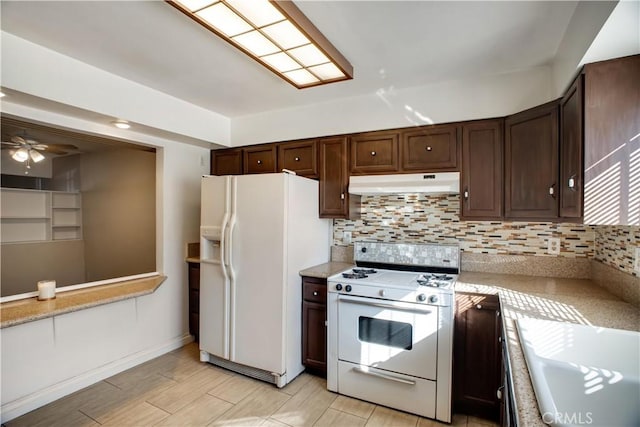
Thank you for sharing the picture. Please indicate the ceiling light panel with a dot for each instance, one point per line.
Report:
(258, 12)
(281, 62)
(224, 20)
(286, 35)
(256, 43)
(276, 34)
(309, 55)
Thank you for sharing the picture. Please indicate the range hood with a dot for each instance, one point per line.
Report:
(429, 183)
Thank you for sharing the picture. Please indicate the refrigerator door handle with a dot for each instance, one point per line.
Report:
(225, 221)
(231, 272)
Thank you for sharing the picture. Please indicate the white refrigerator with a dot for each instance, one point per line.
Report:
(257, 232)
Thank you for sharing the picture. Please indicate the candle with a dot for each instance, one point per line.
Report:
(46, 289)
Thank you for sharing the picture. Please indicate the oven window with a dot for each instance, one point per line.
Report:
(385, 332)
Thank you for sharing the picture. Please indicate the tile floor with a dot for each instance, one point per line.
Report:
(176, 389)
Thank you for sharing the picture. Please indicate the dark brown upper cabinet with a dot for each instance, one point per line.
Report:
(481, 183)
(335, 200)
(260, 159)
(612, 145)
(430, 148)
(226, 162)
(300, 157)
(531, 163)
(374, 152)
(571, 150)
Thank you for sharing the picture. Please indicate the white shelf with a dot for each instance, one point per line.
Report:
(35, 215)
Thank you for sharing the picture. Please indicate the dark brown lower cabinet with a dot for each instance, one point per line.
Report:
(314, 330)
(477, 356)
(194, 299)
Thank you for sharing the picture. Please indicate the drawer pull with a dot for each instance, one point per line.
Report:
(259, 162)
(373, 153)
(381, 375)
(315, 293)
(479, 306)
(429, 148)
(297, 159)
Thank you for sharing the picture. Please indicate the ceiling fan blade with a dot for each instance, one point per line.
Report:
(18, 140)
(7, 144)
(40, 147)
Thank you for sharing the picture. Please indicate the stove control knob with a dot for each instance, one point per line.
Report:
(382, 292)
(338, 287)
(433, 299)
(347, 288)
(422, 297)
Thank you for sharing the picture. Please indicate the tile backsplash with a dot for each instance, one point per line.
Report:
(616, 244)
(419, 218)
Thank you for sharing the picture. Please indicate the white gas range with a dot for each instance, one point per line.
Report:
(390, 327)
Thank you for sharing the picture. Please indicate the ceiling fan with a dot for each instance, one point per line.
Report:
(27, 150)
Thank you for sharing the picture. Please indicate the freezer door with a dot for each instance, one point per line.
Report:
(257, 264)
(215, 309)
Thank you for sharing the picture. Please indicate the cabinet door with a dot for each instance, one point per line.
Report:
(531, 163)
(194, 299)
(571, 143)
(430, 148)
(334, 179)
(261, 159)
(482, 170)
(300, 157)
(612, 145)
(374, 152)
(314, 336)
(226, 162)
(477, 355)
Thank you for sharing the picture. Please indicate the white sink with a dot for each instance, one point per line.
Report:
(583, 375)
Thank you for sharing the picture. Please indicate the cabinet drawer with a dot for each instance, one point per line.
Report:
(314, 290)
(430, 148)
(260, 159)
(374, 152)
(300, 157)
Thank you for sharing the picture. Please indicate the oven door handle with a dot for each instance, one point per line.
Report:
(385, 376)
(371, 302)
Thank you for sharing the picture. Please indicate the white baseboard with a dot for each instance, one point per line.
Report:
(21, 406)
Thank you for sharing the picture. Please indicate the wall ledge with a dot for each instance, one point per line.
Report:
(30, 309)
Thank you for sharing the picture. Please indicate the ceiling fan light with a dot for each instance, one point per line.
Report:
(36, 156)
(21, 155)
(121, 124)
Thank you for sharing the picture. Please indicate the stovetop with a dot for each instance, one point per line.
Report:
(396, 279)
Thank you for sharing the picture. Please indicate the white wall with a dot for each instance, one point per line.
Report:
(75, 83)
(49, 358)
(480, 98)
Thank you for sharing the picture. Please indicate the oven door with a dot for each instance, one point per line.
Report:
(394, 336)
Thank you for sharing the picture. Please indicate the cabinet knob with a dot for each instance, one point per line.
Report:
(466, 194)
(259, 162)
(342, 196)
(373, 153)
(315, 293)
(499, 393)
(429, 148)
(297, 159)
(572, 182)
(552, 191)
(479, 306)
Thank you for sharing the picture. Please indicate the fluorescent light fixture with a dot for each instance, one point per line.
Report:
(274, 33)
(21, 155)
(121, 124)
(36, 156)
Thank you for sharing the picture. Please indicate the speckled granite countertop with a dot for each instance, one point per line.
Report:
(327, 269)
(30, 309)
(565, 300)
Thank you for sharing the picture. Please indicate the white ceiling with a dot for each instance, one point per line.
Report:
(389, 43)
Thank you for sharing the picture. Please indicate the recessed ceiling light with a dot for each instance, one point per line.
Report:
(276, 34)
(121, 124)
